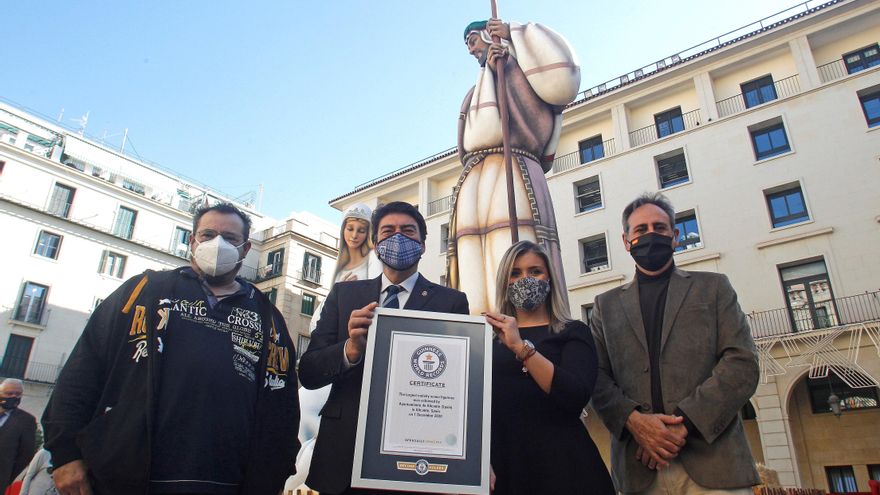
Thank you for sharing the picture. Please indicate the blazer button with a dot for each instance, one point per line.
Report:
(646, 408)
(645, 369)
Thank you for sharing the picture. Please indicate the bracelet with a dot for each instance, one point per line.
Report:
(526, 352)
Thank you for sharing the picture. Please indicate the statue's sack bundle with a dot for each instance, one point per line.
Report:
(547, 60)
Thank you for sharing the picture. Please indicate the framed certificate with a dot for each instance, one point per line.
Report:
(424, 419)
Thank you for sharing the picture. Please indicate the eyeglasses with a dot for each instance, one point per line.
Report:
(230, 237)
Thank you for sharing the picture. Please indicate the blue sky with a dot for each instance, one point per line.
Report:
(308, 98)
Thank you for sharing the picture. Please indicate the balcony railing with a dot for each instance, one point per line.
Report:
(736, 104)
(573, 160)
(650, 134)
(832, 71)
(30, 371)
(311, 276)
(255, 275)
(439, 205)
(860, 308)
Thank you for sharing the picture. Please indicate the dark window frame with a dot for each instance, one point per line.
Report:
(867, 57)
(309, 274)
(672, 167)
(591, 149)
(596, 194)
(790, 218)
(56, 247)
(759, 91)
(768, 131)
(115, 269)
(872, 121)
(851, 399)
(126, 232)
(591, 257)
(275, 259)
(444, 237)
(24, 308)
(841, 479)
(668, 122)
(58, 205)
(681, 221)
(308, 309)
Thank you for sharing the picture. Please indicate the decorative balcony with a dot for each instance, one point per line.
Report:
(832, 71)
(440, 205)
(835, 312)
(574, 160)
(782, 88)
(652, 133)
(261, 274)
(30, 370)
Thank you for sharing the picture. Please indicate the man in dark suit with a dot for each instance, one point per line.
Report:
(17, 432)
(676, 365)
(336, 351)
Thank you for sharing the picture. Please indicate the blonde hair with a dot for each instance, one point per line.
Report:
(557, 304)
(344, 256)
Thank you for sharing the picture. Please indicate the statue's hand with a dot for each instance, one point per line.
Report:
(497, 27)
(496, 51)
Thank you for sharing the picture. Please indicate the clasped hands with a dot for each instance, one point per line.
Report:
(660, 437)
(497, 27)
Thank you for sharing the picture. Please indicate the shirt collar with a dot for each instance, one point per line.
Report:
(407, 284)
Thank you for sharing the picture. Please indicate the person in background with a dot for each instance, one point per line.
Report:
(543, 372)
(18, 430)
(37, 479)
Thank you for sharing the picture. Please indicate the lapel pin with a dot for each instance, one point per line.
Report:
(424, 293)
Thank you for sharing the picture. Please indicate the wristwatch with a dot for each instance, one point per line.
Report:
(526, 351)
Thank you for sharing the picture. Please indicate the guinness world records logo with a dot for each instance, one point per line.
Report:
(428, 362)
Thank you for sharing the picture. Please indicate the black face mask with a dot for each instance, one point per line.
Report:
(10, 403)
(651, 251)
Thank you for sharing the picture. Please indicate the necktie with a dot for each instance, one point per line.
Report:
(391, 300)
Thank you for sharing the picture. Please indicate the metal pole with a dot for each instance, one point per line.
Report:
(505, 136)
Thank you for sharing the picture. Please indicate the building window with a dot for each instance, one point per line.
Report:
(841, 479)
(48, 245)
(769, 140)
(874, 471)
(124, 224)
(871, 106)
(31, 303)
(272, 294)
(133, 186)
(672, 169)
(308, 305)
(862, 58)
(809, 296)
(591, 149)
(588, 194)
(669, 122)
(595, 253)
(302, 343)
(18, 353)
(787, 206)
(61, 200)
(180, 241)
(274, 263)
(688, 231)
(850, 398)
(311, 269)
(586, 312)
(444, 237)
(112, 264)
(758, 91)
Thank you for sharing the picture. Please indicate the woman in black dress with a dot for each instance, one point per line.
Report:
(543, 372)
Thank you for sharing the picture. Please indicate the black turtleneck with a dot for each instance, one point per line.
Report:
(652, 300)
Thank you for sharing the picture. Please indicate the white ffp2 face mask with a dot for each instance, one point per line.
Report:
(216, 257)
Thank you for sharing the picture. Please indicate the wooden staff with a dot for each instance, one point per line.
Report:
(505, 135)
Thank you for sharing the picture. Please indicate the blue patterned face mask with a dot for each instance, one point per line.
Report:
(528, 293)
(399, 251)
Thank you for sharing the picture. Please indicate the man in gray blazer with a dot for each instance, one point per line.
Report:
(676, 365)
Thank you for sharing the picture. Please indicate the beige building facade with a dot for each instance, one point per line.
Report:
(767, 141)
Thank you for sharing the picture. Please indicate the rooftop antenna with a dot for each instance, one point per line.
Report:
(83, 121)
(124, 137)
(61, 114)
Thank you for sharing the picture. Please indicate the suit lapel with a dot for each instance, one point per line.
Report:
(629, 298)
(421, 294)
(374, 292)
(679, 285)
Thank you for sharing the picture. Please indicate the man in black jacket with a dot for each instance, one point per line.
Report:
(336, 351)
(181, 381)
(17, 432)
